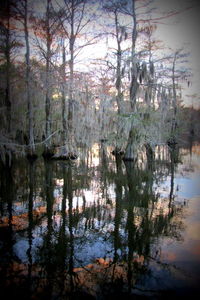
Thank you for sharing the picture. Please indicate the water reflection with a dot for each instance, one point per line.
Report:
(30, 223)
(97, 228)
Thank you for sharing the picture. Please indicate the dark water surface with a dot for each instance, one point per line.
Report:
(100, 229)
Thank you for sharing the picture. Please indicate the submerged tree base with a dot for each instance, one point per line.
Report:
(129, 159)
(117, 152)
(149, 153)
(65, 153)
(172, 142)
(48, 154)
(31, 156)
(67, 156)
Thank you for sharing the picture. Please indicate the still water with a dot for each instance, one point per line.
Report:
(101, 229)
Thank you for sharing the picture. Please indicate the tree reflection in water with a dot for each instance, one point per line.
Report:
(30, 224)
(6, 232)
(87, 230)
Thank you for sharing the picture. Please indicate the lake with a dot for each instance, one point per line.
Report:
(99, 228)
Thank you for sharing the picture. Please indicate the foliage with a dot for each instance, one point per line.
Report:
(98, 96)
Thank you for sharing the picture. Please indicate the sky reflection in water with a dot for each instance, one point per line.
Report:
(65, 225)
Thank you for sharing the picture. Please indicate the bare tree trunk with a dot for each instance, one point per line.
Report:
(71, 84)
(8, 72)
(29, 101)
(134, 85)
(131, 149)
(118, 84)
(130, 153)
(64, 121)
(174, 104)
(48, 57)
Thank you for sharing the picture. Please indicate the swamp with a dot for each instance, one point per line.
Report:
(99, 149)
(99, 228)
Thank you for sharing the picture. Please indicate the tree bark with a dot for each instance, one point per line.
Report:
(48, 57)
(118, 84)
(64, 121)
(134, 85)
(130, 153)
(71, 84)
(29, 101)
(8, 71)
(174, 104)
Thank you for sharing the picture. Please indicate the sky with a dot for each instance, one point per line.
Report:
(179, 30)
(182, 30)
